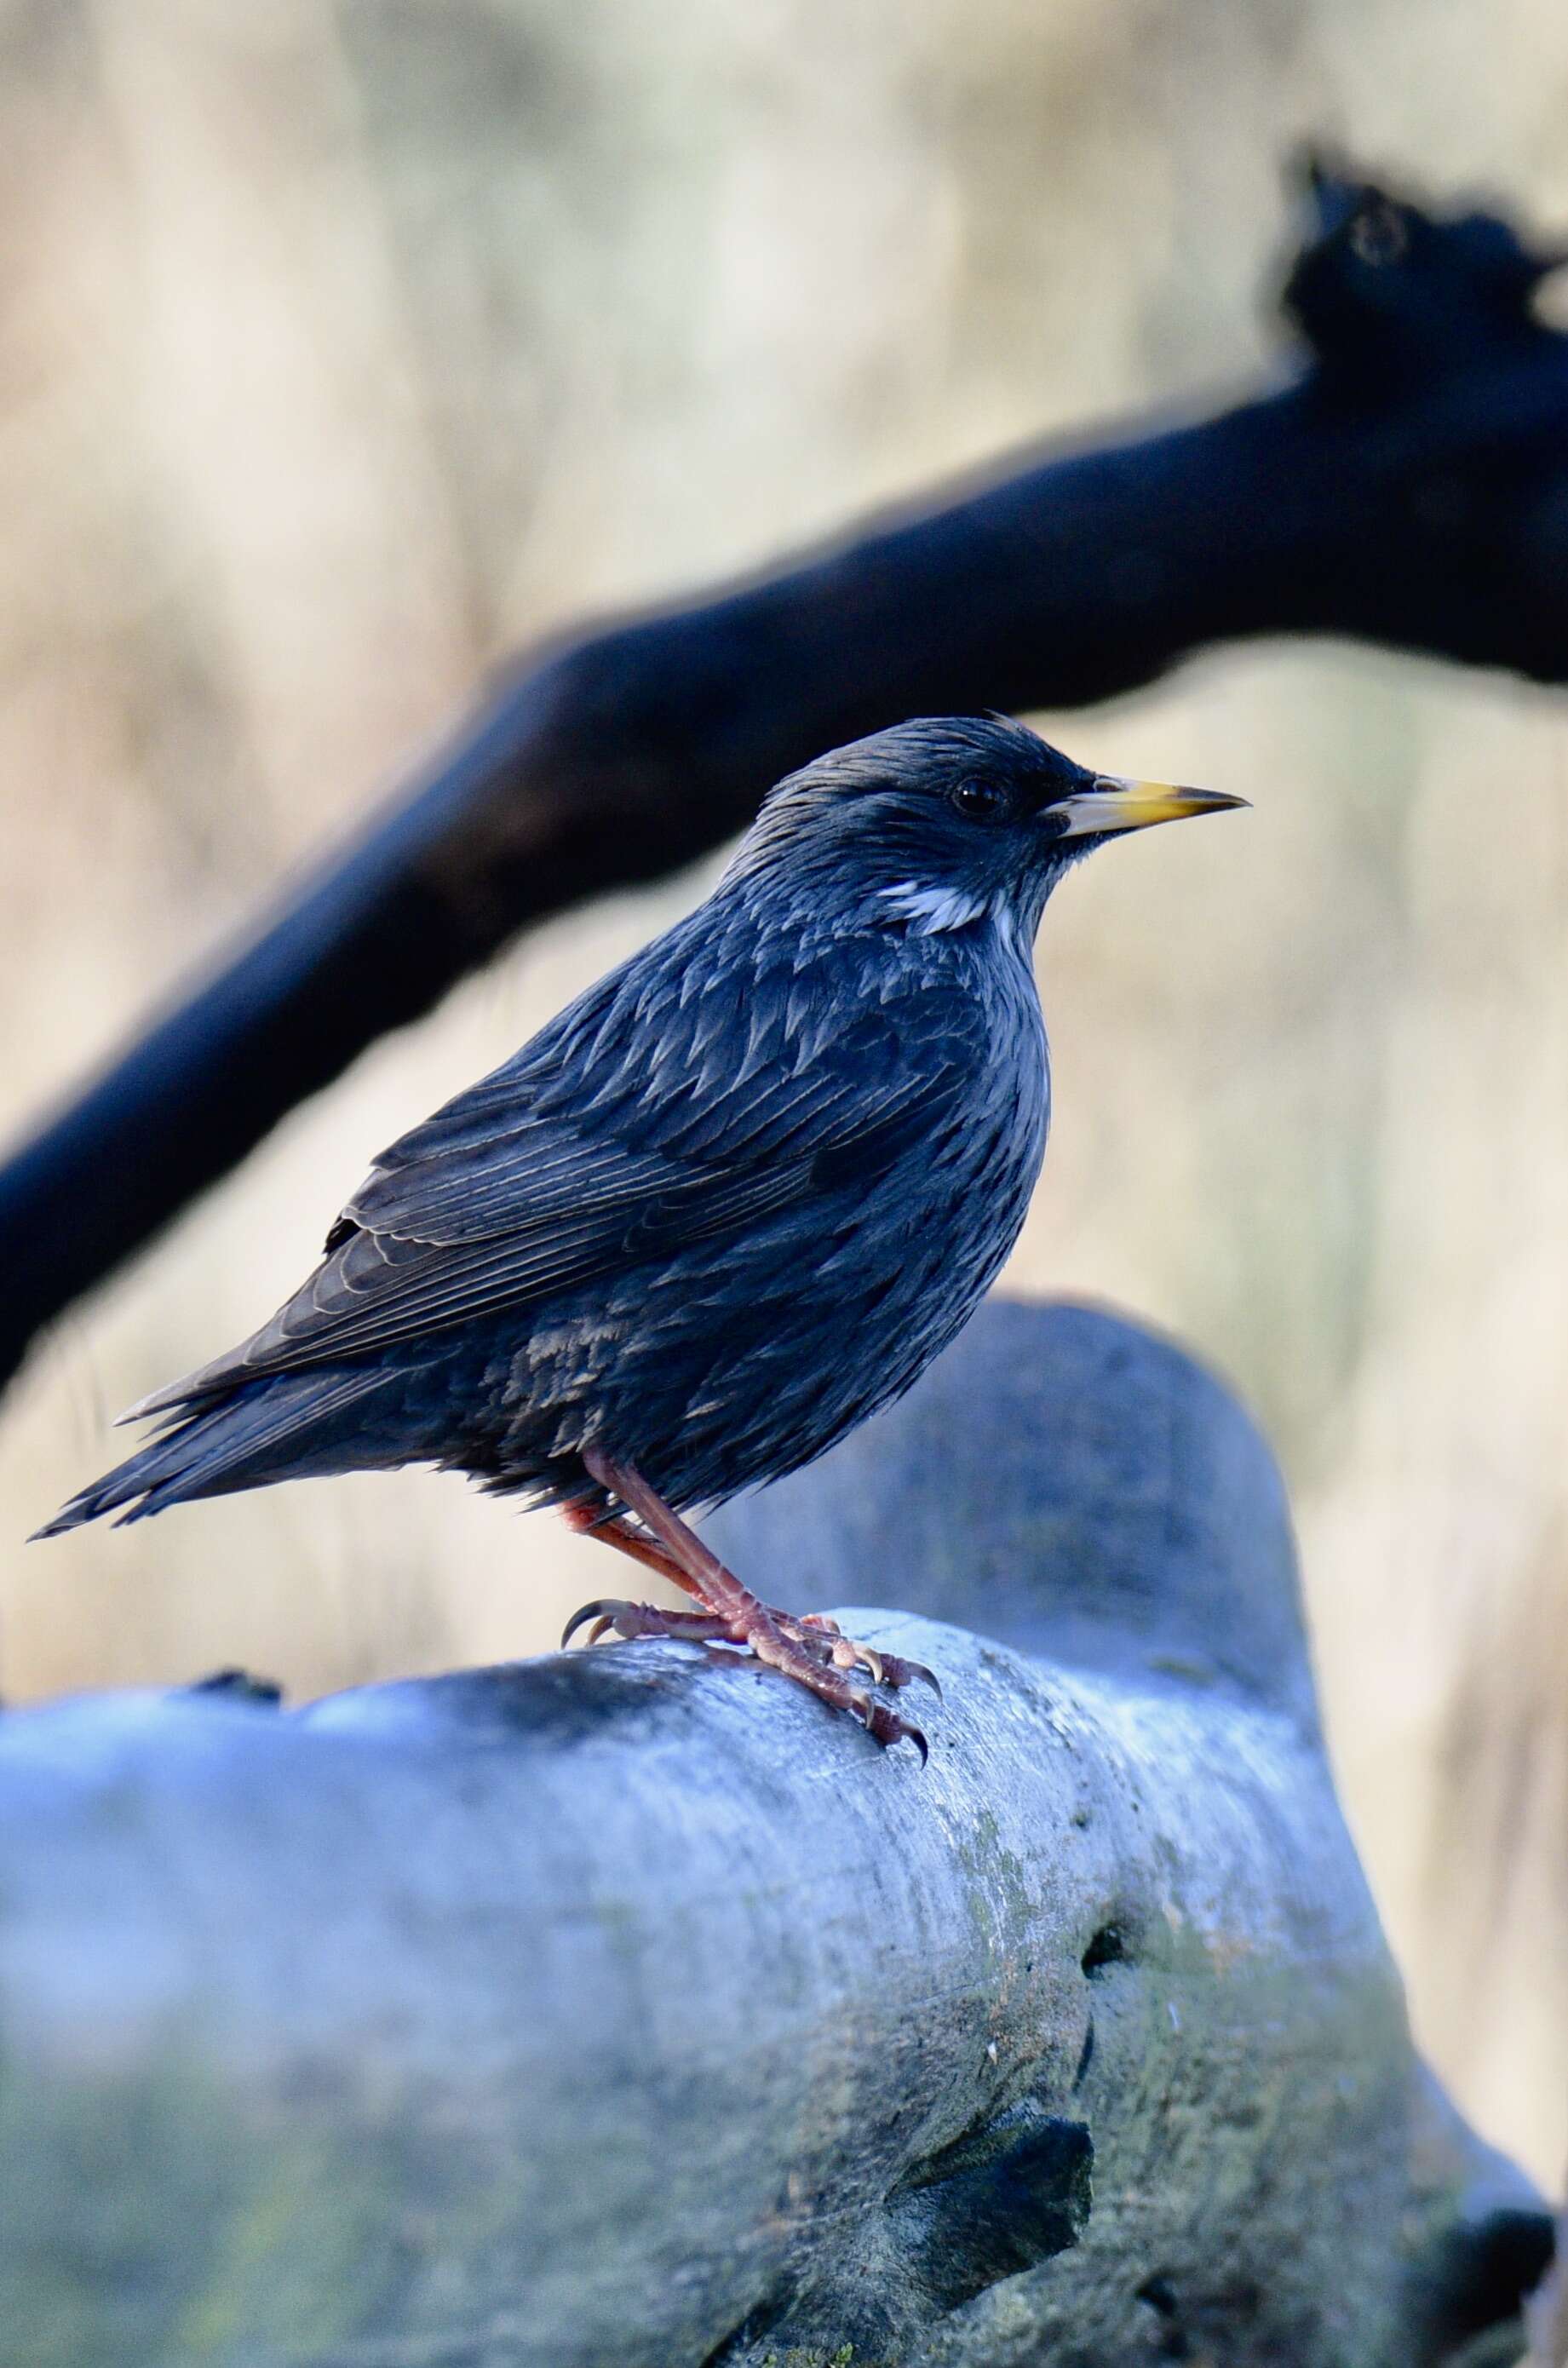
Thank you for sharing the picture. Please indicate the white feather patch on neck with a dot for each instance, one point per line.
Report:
(933, 910)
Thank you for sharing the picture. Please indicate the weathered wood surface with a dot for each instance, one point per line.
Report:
(627, 2007)
(1402, 478)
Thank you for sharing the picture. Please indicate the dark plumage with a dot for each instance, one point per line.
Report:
(728, 1204)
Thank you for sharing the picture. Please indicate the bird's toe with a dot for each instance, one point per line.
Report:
(633, 1621)
(824, 1637)
(886, 1727)
(898, 1672)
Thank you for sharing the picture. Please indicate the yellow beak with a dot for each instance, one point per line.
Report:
(1114, 803)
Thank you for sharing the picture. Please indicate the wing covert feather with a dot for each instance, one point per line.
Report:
(657, 1111)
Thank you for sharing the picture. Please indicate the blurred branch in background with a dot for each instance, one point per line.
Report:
(1408, 486)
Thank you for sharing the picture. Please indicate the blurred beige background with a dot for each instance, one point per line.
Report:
(342, 348)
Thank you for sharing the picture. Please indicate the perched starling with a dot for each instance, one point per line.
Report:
(733, 1199)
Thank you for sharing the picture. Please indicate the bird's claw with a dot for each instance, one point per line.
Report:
(886, 1727)
(897, 1672)
(580, 1618)
(819, 1630)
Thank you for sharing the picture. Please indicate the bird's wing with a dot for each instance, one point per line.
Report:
(657, 1112)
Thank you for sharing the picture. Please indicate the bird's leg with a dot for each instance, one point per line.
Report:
(617, 1530)
(631, 1620)
(813, 1652)
(816, 1630)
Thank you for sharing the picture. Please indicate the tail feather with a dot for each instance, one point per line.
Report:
(289, 1427)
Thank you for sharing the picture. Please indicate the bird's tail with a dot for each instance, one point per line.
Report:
(292, 1425)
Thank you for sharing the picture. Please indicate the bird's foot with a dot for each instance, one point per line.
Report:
(814, 1651)
(817, 1655)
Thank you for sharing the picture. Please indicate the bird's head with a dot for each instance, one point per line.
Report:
(942, 820)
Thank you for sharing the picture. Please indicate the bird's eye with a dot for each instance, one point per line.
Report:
(983, 801)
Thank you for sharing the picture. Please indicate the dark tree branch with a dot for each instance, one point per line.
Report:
(627, 2010)
(1409, 487)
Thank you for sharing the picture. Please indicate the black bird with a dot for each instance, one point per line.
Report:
(727, 1204)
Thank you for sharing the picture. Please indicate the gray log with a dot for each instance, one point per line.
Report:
(628, 2010)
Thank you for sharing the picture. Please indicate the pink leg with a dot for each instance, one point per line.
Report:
(814, 1630)
(811, 1651)
(616, 1532)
